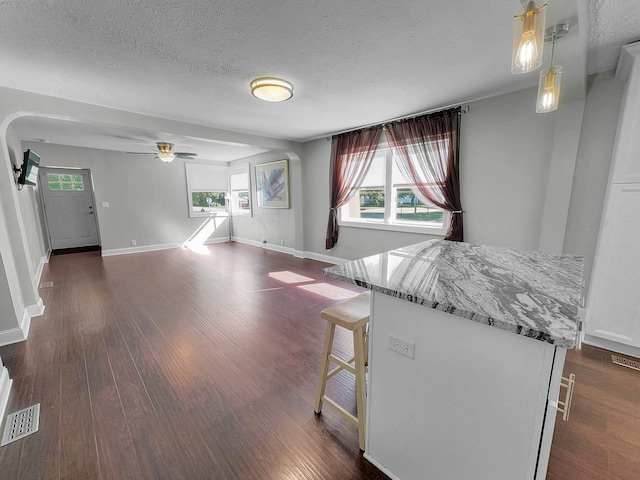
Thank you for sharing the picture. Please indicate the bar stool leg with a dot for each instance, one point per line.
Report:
(361, 399)
(324, 366)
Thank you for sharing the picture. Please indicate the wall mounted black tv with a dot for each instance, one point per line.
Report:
(29, 170)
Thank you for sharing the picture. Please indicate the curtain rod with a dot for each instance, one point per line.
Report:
(463, 109)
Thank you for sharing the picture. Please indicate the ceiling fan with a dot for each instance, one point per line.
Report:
(166, 154)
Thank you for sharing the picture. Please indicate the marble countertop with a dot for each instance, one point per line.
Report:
(533, 294)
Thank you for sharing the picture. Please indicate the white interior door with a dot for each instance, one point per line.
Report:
(69, 208)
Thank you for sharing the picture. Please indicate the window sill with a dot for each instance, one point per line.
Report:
(396, 227)
(208, 214)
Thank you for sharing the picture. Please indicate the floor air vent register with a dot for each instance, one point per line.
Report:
(625, 362)
(20, 424)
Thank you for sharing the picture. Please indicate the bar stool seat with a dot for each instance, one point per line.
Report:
(352, 314)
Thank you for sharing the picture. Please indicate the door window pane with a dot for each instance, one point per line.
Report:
(65, 182)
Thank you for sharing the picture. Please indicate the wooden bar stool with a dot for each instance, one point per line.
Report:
(353, 315)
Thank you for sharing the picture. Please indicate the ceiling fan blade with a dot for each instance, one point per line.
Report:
(140, 153)
(185, 154)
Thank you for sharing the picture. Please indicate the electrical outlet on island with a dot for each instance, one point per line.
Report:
(403, 347)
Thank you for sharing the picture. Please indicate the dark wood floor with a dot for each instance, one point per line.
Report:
(174, 365)
(601, 440)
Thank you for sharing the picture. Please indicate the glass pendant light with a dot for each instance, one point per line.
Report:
(528, 38)
(549, 90)
(550, 77)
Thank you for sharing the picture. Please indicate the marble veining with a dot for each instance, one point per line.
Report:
(534, 294)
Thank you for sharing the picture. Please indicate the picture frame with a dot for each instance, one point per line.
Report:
(272, 184)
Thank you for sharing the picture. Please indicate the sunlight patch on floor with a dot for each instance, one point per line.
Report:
(289, 277)
(329, 291)
(195, 242)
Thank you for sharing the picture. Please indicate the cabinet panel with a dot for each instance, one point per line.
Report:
(613, 310)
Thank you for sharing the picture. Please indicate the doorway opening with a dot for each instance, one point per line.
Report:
(69, 209)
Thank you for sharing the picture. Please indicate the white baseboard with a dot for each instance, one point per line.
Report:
(43, 261)
(37, 309)
(291, 251)
(266, 246)
(15, 335)
(245, 241)
(324, 258)
(139, 249)
(613, 346)
(211, 241)
(153, 248)
(380, 467)
(5, 390)
(21, 333)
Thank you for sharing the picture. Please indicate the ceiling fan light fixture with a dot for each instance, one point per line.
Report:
(271, 89)
(528, 38)
(166, 157)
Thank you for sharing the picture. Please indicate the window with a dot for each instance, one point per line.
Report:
(240, 190)
(65, 182)
(386, 200)
(207, 189)
(208, 202)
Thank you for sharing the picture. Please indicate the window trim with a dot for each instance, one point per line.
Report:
(389, 207)
(233, 211)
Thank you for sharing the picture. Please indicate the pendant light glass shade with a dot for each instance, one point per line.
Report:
(549, 90)
(528, 38)
(271, 89)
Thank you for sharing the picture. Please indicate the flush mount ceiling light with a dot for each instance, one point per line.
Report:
(528, 38)
(549, 85)
(271, 89)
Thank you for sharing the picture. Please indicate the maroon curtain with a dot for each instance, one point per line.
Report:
(427, 149)
(351, 155)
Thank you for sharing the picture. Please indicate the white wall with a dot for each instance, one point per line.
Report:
(595, 151)
(147, 198)
(29, 204)
(505, 151)
(276, 226)
(8, 316)
(19, 283)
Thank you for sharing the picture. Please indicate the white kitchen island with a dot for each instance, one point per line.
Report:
(488, 330)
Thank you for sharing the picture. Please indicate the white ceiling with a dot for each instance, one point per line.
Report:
(352, 62)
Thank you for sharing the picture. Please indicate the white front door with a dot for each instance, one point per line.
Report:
(68, 206)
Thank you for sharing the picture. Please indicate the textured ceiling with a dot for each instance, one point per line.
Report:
(352, 62)
(613, 23)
